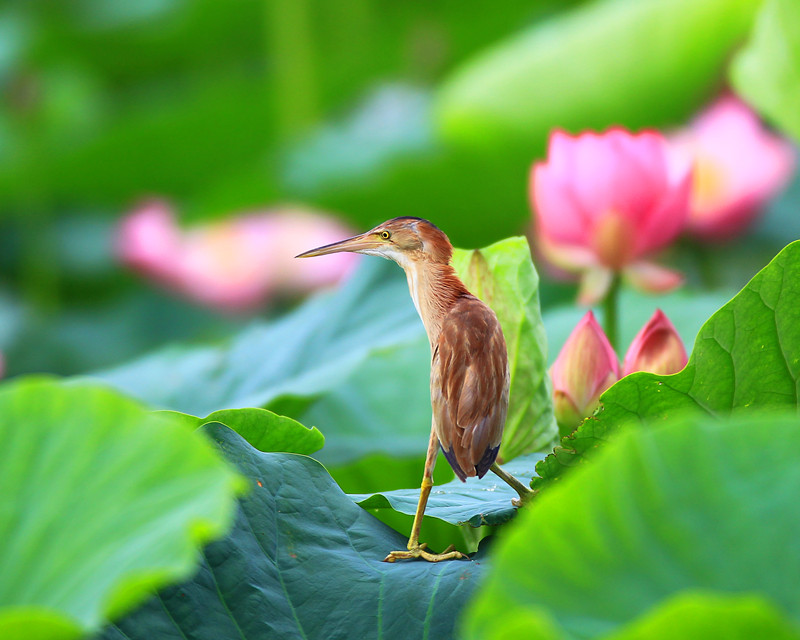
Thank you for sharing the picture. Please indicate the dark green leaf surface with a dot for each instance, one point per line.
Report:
(767, 71)
(638, 63)
(503, 276)
(303, 560)
(102, 502)
(476, 502)
(701, 504)
(746, 358)
(264, 430)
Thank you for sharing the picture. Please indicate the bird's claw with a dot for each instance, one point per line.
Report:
(418, 551)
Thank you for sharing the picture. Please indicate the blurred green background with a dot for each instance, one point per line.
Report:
(363, 108)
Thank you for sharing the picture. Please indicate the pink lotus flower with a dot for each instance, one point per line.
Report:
(586, 366)
(738, 166)
(657, 348)
(604, 202)
(236, 264)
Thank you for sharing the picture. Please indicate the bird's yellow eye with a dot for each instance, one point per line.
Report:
(385, 235)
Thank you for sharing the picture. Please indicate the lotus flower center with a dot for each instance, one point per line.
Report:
(614, 240)
(708, 190)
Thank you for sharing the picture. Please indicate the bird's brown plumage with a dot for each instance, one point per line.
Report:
(469, 386)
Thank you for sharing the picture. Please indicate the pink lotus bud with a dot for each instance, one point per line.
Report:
(738, 166)
(657, 348)
(235, 264)
(583, 370)
(604, 202)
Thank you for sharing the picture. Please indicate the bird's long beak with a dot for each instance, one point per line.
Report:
(362, 242)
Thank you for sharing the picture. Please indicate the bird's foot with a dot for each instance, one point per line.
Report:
(418, 551)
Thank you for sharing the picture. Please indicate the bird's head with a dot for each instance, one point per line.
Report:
(405, 240)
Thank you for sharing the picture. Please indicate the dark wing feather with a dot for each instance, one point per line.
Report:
(469, 386)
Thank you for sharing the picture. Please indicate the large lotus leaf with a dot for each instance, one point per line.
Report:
(503, 276)
(303, 560)
(644, 63)
(695, 504)
(346, 361)
(746, 358)
(264, 430)
(767, 71)
(102, 501)
(476, 502)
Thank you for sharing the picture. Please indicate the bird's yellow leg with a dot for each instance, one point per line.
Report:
(525, 494)
(414, 548)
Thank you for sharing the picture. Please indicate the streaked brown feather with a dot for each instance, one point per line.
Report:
(469, 383)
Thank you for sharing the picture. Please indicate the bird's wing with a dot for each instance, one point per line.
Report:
(469, 386)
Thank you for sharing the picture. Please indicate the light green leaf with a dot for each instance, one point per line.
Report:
(264, 430)
(710, 616)
(303, 560)
(476, 502)
(503, 276)
(767, 71)
(645, 63)
(698, 504)
(746, 358)
(102, 503)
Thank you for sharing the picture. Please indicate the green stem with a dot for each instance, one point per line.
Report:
(610, 309)
(290, 40)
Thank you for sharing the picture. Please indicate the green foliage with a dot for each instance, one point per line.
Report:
(477, 502)
(767, 71)
(102, 503)
(746, 358)
(504, 277)
(304, 560)
(635, 63)
(696, 505)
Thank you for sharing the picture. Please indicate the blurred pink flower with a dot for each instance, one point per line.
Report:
(235, 264)
(738, 166)
(657, 348)
(604, 202)
(586, 366)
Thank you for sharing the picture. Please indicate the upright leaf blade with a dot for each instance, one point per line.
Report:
(746, 358)
(503, 276)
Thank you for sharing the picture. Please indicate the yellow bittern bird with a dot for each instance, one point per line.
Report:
(469, 361)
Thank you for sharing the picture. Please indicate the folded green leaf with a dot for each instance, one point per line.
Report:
(503, 276)
(264, 430)
(767, 71)
(700, 504)
(644, 63)
(102, 502)
(746, 358)
(303, 560)
(477, 502)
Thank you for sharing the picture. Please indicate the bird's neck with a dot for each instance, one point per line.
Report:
(434, 288)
